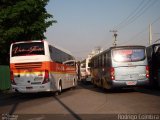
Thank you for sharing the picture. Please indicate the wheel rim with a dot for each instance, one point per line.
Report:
(60, 88)
(74, 83)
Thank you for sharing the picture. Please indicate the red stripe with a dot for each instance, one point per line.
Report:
(50, 66)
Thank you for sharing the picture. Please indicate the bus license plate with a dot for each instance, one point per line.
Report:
(29, 88)
(131, 83)
(38, 78)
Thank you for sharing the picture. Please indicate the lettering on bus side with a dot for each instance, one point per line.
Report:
(60, 68)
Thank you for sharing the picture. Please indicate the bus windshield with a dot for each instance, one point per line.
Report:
(128, 55)
(26, 49)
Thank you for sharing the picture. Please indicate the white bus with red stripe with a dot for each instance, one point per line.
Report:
(85, 74)
(37, 66)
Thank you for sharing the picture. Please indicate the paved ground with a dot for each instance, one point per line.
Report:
(84, 102)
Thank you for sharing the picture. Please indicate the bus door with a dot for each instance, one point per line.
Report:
(70, 72)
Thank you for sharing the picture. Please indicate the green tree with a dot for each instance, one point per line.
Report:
(22, 20)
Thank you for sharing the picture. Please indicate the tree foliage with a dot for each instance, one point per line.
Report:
(22, 20)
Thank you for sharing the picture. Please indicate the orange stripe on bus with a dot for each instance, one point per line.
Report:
(41, 67)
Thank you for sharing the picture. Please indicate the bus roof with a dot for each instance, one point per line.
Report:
(28, 41)
(114, 47)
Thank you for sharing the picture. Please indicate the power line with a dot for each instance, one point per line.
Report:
(144, 30)
(141, 9)
(130, 15)
(140, 14)
(156, 20)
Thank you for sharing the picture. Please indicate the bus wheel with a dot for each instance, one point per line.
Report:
(74, 83)
(60, 89)
(94, 83)
(108, 86)
(102, 83)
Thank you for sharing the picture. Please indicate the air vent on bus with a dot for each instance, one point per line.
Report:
(28, 65)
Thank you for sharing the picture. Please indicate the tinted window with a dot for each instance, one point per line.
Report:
(157, 54)
(157, 49)
(70, 63)
(58, 55)
(25, 49)
(128, 55)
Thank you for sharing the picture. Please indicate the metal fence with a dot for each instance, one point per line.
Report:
(4, 77)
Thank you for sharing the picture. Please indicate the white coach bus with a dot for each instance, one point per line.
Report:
(37, 66)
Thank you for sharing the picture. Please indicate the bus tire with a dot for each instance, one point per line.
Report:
(94, 83)
(102, 83)
(108, 86)
(60, 87)
(74, 83)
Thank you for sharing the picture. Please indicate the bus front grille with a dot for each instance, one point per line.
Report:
(28, 65)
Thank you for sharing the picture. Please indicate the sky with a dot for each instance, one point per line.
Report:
(83, 25)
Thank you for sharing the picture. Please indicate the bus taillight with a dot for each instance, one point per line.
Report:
(12, 78)
(112, 73)
(46, 77)
(147, 71)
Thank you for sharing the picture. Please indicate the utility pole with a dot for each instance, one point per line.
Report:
(115, 37)
(150, 34)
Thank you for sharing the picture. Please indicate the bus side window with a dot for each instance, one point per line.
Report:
(100, 61)
(104, 60)
(149, 53)
(94, 63)
(50, 49)
(97, 62)
(73, 64)
(51, 53)
(107, 59)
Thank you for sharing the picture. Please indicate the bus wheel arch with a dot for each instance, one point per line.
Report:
(103, 82)
(108, 85)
